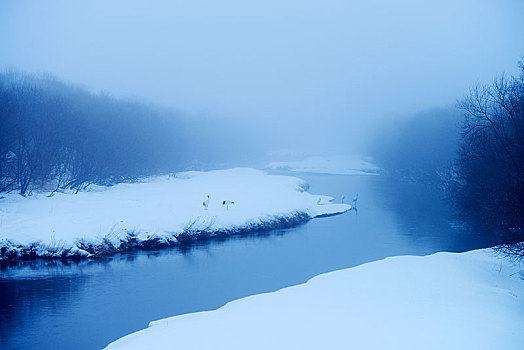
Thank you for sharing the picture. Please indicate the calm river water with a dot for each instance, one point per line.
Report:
(86, 305)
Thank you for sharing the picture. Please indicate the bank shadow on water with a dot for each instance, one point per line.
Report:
(425, 213)
(86, 305)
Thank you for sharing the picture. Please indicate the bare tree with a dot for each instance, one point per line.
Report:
(489, 172)
(55, 136)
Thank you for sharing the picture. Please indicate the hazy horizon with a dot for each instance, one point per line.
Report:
(322, 75)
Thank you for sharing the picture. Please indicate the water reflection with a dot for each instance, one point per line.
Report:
(425, 216)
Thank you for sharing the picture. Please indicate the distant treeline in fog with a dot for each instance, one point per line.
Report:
(419, 148)
(57, 136)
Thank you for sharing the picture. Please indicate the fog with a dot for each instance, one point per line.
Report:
(260, 143)
(308, 75)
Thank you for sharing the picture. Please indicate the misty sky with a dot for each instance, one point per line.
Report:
(327, 70)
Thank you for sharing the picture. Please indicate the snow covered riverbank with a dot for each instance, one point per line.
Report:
(161, 211)
(337, 165)
(443, 301)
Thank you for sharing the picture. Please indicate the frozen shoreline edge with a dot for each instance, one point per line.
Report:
(11, 251)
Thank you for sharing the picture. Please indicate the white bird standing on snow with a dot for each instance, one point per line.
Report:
(343, 197)
(227, 204)
(206, 203)
(319, 200)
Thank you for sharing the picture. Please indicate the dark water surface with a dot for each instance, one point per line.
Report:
(86, 305)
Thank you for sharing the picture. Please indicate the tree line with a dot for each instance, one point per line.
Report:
(474, 154)
(56, 136)
(420, 148)
(487, 182)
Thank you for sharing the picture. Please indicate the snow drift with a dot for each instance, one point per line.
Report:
(159, 211)
(443, 301)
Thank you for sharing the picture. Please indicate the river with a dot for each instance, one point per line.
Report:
(86, 305)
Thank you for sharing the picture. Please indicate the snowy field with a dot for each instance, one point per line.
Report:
(443, 301)
(160, 211)
(337, 165)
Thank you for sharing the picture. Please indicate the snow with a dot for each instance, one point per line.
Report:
(160, 207)
(338, 165)
(443, 301)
